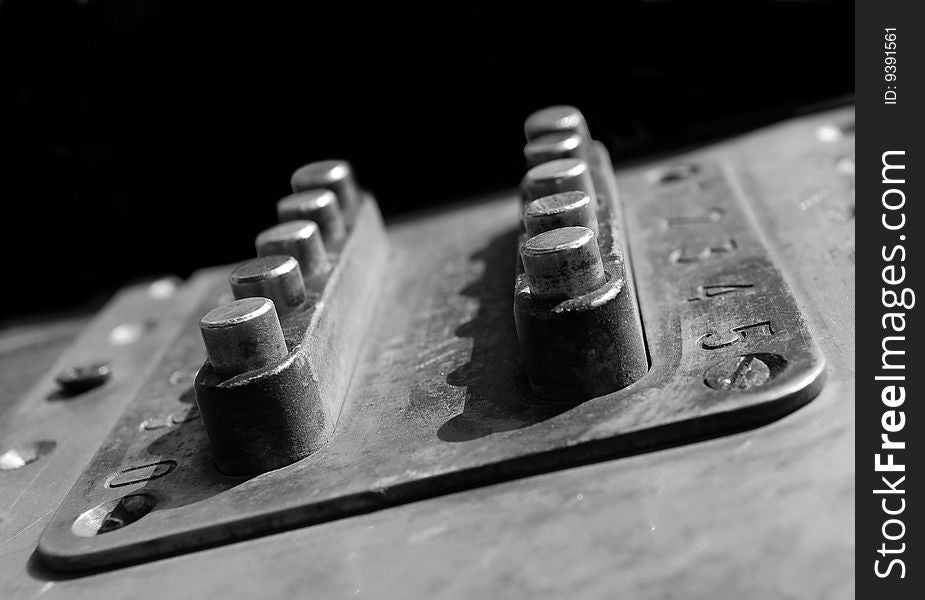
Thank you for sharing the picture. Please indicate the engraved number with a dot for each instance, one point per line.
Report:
(717, 340)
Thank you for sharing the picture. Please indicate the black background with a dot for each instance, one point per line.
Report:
(151, 136)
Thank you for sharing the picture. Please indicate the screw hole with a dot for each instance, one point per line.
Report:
(25, 454)
(112, 515)
(744, 372)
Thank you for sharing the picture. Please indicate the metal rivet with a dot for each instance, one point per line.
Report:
(82, 378)
(555, 118)
(554, 146)
(299, 239)
(319, 206)
(335, 175)
(555, 176)
(563, 263)
(566, 209)
(276, 277)
(242, 336)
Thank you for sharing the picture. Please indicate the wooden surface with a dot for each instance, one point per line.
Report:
(765, 513)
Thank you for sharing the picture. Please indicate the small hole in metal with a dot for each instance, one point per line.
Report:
(112, 515)
(744, 372)
(25, 454)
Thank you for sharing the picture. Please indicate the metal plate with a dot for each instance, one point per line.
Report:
(55, 432)
(440, 404)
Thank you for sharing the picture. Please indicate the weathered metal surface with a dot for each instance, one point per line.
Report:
(256, 411)
(164, 424)
(442, 405)
(264, 418)
(763, 513)
(589, 343)
(48, 436)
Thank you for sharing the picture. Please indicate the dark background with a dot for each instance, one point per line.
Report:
(141, 137)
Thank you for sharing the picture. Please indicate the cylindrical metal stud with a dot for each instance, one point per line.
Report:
(553, 146)
(299, 239)
(335, 175)
(565, 209)
(555, 118)
(276, 277)
(242, 336)
(563, 175)
(319, 206)
(563, 263)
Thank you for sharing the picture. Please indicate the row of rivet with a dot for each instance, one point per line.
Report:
(561, 258)
(576, 316)
(246, 334)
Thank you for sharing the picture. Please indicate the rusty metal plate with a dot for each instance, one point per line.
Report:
(439, 403)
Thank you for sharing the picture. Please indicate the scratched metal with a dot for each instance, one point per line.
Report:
(441, 404)
(130, 334)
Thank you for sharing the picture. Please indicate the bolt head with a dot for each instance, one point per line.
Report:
(82, 378)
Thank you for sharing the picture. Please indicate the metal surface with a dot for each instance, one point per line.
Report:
(243, 335)
(82, 378)
(318, 205)
(555, 176)
(276, 277)
(300, 240)
(334, 175)
(49, 435)
(290, 407)
(262, 400)
(559, 210)
(764, 513)
(439, 408)
(585, 339)
(554, 119)
(553, 146)
(562, 264)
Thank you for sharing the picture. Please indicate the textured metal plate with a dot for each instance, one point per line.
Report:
(60, 431)
(440, 404)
